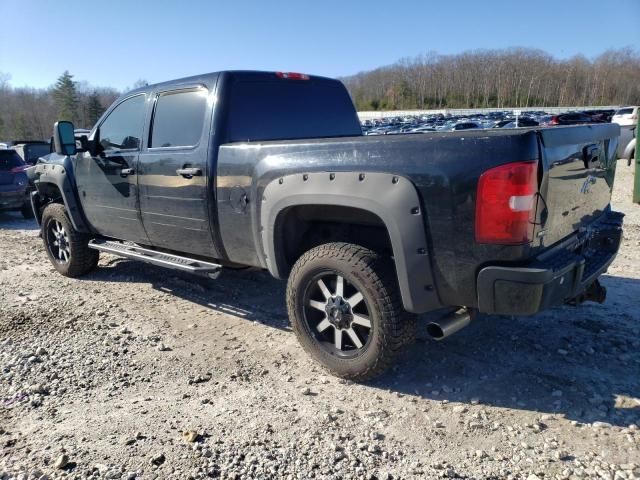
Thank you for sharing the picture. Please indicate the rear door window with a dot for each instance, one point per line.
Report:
(179, 118)
(9, 160)
(625, 111)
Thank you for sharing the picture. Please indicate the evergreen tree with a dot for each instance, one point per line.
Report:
(65, 95)
(94, 109)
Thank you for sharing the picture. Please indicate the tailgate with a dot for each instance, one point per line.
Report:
(579, 166)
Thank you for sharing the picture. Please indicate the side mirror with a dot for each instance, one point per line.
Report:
(64, 139)
(95, 145)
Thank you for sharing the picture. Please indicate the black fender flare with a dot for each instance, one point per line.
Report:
(392, 198)
(61, 176)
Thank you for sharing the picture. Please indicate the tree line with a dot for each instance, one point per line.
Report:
(514, 77)
(29, 113)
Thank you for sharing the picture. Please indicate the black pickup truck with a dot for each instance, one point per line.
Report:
(271, 170)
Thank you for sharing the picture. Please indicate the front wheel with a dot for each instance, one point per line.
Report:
(345, 308)
(67, 248)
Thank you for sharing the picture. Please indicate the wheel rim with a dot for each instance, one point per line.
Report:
(337, 315)
(58, 242)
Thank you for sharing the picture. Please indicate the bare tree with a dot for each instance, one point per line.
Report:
(499, 78)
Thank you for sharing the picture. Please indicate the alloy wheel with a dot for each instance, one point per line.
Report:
(337, 315)
(58, 242)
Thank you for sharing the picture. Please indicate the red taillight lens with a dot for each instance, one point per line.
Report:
(506, 203)
(554, 120)
(292, 76)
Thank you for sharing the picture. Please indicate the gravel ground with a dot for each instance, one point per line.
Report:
(139, 372)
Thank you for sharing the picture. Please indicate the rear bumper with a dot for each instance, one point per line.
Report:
(13, 200)
(555, 277)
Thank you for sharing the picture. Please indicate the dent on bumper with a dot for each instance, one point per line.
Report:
(555, 277)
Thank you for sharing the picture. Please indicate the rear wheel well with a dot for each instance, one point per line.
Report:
(301, 228)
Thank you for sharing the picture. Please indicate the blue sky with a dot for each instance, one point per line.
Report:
(115, 43)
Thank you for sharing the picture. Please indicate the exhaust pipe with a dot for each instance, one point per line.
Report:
(455, 321)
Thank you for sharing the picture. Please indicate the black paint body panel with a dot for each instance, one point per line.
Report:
(444, 169)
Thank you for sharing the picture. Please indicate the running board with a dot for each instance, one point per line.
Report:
(168, 260)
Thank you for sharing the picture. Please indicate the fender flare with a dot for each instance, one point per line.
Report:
(392, 198)
(61, 176)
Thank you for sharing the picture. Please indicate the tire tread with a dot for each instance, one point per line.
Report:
(83, 259)
(398, 326)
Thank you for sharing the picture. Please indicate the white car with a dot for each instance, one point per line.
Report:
(626, 116)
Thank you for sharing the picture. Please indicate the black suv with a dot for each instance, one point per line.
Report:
(14, 184)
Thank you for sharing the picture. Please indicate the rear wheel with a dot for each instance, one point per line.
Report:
(67, 248)
(345, 308)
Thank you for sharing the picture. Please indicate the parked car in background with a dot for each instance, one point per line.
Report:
(627, 143)
(571, 118)
(14, 184)
(427, 122)
(522, 122)
(423, 129)
(626, 116)
(31, 150)
(600, 115)
(466, 126)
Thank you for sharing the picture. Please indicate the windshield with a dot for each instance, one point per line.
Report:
(9, 160)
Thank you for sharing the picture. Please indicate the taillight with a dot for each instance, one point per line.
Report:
(19, 169)
(554, 120)
(292, 76)
(505, 204)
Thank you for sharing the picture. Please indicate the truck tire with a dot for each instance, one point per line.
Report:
(66, 248)
(345, 309)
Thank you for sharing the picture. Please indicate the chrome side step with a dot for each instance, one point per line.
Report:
(168, 260)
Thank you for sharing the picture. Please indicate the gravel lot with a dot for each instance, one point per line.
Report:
(139, 372)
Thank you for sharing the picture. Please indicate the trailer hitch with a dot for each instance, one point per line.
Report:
(595, 292)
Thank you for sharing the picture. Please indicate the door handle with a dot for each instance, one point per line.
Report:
(125, 172)
(189, 172)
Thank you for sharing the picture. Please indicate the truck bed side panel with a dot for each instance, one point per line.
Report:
(443, 167)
